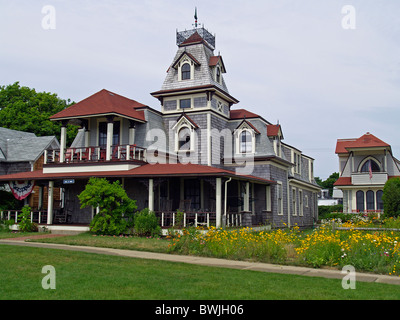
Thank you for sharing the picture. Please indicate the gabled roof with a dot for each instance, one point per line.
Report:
(367, 140)
(103, 102)
(274, 130)
(183, 117)
(17, 146)
(249, 124)
(242, 114)
(174, 65)
(214, 61)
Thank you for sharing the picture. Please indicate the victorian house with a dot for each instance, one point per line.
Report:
(199, 153)
(365, 164)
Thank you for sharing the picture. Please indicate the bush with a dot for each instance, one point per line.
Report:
(116, 208)
(146, 223)
(26, 225)
(324, 211)
(391, 197)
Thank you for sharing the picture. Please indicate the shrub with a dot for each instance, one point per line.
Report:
(324, 211)
(26, 225)
(391, 197)
(116, 208)
(146, 223)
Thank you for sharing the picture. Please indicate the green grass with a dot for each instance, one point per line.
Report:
(129, 243)
(93, 276)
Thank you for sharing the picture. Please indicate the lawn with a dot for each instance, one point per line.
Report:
(92, 276)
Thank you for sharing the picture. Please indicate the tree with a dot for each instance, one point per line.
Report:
(391, 197)
(328, 183)
(116, 209)
(24, 109)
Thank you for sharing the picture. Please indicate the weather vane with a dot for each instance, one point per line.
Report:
(195, 17)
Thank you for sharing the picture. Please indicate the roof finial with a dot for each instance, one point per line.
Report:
(195, 17)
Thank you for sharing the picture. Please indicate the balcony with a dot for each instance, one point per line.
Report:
(378, 178)
(95, 154)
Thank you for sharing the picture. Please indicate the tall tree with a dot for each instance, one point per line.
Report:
(328, 183)
(24, 109)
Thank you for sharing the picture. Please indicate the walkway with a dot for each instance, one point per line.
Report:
(214, 262)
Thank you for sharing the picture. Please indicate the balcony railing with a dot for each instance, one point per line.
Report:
(96, 154)
(365, 178)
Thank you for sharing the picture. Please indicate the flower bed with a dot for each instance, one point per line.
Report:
(367, 251)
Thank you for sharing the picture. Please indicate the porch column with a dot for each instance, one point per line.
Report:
(246, 203)
(132, 128)
(110, 132)
(151, 194)
(218, 201)
(63, 142)
(50, 202)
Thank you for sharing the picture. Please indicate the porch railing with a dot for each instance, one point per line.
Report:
(196, 219)
(96, 154)
(37, 216)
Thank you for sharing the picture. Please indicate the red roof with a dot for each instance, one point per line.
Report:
(368, 140)
(103, 102)
(242, 113)
(193, 39)
(273, 130)
(147, 170)
(214, 60)
(343, 181)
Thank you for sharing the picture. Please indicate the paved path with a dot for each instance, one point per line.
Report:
(244, 265)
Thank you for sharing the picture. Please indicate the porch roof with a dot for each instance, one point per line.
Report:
(147, 170)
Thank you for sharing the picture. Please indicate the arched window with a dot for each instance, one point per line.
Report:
(218, 75)
(374, 166)
(185, 71)
(379, 202)
(184, 138)
(245, 142)
(370, 200)
(360, 200)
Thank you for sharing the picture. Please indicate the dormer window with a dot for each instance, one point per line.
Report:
(218, 74)
(184, 139)
(246, 142)
(185, 71)
(245, 137)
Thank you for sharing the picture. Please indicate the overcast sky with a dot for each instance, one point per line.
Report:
(305, 63)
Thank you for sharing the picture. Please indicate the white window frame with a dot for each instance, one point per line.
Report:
(294, 202)
(279, 198)
(301, 203)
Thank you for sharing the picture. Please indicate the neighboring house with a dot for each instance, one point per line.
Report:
(365, 164)
(24, 151)
(198, 154)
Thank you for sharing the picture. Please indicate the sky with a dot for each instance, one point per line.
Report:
(326, 70)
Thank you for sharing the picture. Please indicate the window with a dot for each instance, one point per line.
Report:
(294, 207)
(360, 201)
(185, 103)
(370, 200)
(280, 197)
(218, 75)
(374, 166)
(185, 71)
(300, 203)
(379, 202)
(245, 142)
(184, 139)
(103, 133)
